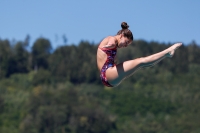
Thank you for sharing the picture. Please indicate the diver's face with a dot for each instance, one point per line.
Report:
(124, 42)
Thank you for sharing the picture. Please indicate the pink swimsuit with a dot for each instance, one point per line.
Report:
(111, 53)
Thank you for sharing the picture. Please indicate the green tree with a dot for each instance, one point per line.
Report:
(193, 53)
(41, 50)
(20, 59)
(5, 58)
(60, 110)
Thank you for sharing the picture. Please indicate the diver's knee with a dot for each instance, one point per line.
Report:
(141, 61)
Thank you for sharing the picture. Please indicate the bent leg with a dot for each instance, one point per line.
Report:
(123, 70)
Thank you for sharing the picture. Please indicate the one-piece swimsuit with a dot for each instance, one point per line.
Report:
(111, 53)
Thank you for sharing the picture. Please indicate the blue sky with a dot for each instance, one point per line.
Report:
(92, 20)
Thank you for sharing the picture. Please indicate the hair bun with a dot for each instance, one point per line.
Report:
(124, 25)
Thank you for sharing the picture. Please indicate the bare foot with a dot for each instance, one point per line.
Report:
(172, 49)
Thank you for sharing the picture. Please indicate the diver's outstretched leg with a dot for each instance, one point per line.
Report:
(116, 74)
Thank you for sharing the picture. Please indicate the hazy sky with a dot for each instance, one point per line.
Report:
(92, 20)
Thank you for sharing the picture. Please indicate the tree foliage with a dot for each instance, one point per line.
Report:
(45, 90)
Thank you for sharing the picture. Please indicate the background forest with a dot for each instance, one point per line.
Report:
(46, 90)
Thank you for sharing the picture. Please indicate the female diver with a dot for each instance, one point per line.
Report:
(112, 74)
